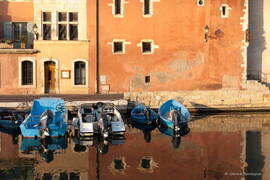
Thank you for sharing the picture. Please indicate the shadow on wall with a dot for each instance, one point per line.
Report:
(4, 17)
(257, 39)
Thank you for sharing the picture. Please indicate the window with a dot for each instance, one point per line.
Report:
(146, 47)
(147, 79)
(224, 10)
(79, 73)
(200, 2)
(118, 47)
(117, 7)
(67, 26)
(19, 31)
(146, 7)
(27, 73)
(46, 25)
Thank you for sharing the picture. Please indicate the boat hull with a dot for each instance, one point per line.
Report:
(168, 106)
(138, 117)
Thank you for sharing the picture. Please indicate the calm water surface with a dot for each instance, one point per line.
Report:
(231, 146)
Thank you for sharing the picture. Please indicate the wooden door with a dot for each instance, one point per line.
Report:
(50, 79)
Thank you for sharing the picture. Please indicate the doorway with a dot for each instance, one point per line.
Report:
(50, 77)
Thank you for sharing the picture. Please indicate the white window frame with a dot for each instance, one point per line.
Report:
(20, 61)
(73, 73)
(151, 8)
(124, 45)
(67, 23)
(200, 4)
(227, 10)
(46, 22)
(153, 46)
(121, 15)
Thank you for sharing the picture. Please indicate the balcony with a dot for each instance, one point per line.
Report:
(16, 47)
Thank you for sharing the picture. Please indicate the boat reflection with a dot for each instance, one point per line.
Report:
(176, 135)
(146, 129)
(45, 147)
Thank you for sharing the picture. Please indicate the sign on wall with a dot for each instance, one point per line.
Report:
(65, 74)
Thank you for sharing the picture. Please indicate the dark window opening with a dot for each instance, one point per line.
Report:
(224, 11)
(146, 47)
(46, 31)
(63, 176)
(147, 79)
(118, 164)
(27, 73)
(62, 16)
(145, 163)
(74, 176)
(80, 73)
(73, 32)
(117, 7)
(62, 32)
(200, 2)
(146, 7)
(73, 17)
(117, 47)
(46, 17)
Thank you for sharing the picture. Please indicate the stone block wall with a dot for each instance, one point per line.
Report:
(204, 99)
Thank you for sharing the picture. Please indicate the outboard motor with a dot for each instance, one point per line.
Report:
(105, 124)
(45, 119)
(147, 115)
(176, 120)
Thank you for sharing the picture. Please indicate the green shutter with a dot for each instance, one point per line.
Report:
(8, 30)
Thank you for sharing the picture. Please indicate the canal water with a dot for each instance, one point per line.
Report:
(220, 146)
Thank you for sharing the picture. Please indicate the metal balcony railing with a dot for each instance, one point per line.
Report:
(18, 44)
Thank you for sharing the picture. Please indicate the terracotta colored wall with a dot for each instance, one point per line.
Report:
(216, 152)
(91, 36)
(183, 60)
(15, 11)
(9, 78)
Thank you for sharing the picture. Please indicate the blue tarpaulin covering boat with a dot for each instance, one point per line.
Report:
(141, 114)
(173, 113)
(48, 117)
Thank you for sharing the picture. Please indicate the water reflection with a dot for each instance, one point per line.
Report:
(216, 147)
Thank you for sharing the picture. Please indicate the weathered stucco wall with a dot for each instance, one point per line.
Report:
(183, 60)
(9, 74)
(63, 53)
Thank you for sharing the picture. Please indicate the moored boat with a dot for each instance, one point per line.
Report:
(141, 114)
(87, 120)
(10, 120)
(173, 114)
(48, 117)
(111, 121)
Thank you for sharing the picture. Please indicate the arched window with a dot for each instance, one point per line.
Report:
(27, 73)
(80, 73)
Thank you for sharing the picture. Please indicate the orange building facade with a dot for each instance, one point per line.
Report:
(125, 46)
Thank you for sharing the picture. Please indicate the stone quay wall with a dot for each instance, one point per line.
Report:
(235, 100)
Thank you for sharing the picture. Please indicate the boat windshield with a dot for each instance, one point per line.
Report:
(88, 110)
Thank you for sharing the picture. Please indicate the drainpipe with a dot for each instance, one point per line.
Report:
(97, 46)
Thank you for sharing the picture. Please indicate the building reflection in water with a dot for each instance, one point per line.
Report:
(216, 146)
